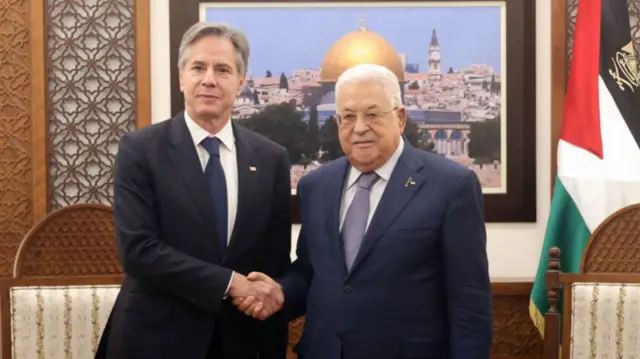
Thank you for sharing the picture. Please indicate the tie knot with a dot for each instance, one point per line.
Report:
(212, 145)
(367, 180)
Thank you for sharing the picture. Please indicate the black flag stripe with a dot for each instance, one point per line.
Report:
(615, 35)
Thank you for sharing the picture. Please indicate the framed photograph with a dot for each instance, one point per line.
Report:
(466, 70)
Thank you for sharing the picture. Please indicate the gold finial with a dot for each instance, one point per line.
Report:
(362, 28)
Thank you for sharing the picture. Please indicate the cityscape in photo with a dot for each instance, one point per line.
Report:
(448, 60)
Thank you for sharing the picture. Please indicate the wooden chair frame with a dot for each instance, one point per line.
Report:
(556, 283)
(21, 279)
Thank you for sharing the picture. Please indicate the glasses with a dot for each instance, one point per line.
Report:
(347, 119)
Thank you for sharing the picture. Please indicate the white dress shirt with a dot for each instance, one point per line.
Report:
(229, 162)
(384, 172)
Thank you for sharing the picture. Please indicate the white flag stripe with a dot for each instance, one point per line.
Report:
(601, 187)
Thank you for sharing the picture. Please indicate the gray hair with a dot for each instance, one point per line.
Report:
(203, 29)
(371, 72)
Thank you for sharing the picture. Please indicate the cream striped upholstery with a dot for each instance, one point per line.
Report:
(59, 322)
(605, 321)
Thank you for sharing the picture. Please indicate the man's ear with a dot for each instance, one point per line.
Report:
(180, 81)
(402, 116)
(241, 82)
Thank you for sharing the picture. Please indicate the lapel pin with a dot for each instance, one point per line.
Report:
(252, 169)
(409, 182)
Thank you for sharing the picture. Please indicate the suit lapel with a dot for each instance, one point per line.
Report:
(182, 153)
(333, 200)
(404, 182)
(247, 183)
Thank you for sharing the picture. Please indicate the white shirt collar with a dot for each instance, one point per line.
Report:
(384, 172)
(225, 135)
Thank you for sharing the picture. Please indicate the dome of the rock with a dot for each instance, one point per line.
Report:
(360, 47)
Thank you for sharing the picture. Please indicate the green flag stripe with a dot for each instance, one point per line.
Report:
(567, 230)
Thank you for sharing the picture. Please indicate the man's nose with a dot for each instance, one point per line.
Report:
(210, 79)
(360, 126)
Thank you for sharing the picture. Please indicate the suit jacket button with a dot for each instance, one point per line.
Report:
(347, 288)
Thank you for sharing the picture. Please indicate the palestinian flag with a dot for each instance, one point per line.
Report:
(599, 150)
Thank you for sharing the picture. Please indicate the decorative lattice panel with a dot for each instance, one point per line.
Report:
(615, 247)
(15, 129)
(634, 17)
(78, 240)
(91, 94)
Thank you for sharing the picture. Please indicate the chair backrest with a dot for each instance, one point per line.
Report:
(55, 317)
(600, 315)
(614, 246)
(66, 278)
(77, 240)
(602, 294)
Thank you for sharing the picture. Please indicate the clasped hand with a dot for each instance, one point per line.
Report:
(256, 295)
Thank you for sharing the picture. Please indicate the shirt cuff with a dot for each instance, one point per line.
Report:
(226, 292)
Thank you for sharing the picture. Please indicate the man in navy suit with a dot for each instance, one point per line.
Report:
(392, 259)
(199, 203)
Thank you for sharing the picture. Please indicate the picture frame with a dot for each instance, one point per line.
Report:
(516, 202)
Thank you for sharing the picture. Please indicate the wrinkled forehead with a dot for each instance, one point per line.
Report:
(362, 96)
(212, 50)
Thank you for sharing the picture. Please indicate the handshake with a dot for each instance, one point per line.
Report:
(256, 295)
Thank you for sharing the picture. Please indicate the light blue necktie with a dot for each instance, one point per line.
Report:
(355, 221)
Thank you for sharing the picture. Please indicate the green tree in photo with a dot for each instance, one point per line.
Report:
(329, 140)
(485, 141)
(283, 125)
(313, 134)
(284, 83)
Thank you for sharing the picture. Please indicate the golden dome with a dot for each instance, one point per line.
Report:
(360, 47)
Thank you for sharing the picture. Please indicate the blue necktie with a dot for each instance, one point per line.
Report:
(355, 221)
(218, 186)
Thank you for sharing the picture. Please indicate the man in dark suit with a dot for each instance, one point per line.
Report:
(392, 259)
(199, 203)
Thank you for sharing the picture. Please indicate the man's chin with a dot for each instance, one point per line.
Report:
(208, 113)
(364, 161)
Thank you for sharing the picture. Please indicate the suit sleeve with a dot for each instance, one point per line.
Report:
(274, 339)
(296, 282)
(143, 254)
(279, 230)
(468, 287)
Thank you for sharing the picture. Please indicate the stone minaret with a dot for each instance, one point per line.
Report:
(434, 54)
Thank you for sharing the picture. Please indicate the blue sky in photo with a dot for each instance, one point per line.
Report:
(286, 38)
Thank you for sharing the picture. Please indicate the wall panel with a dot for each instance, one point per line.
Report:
(15, 128)
(92, 94)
